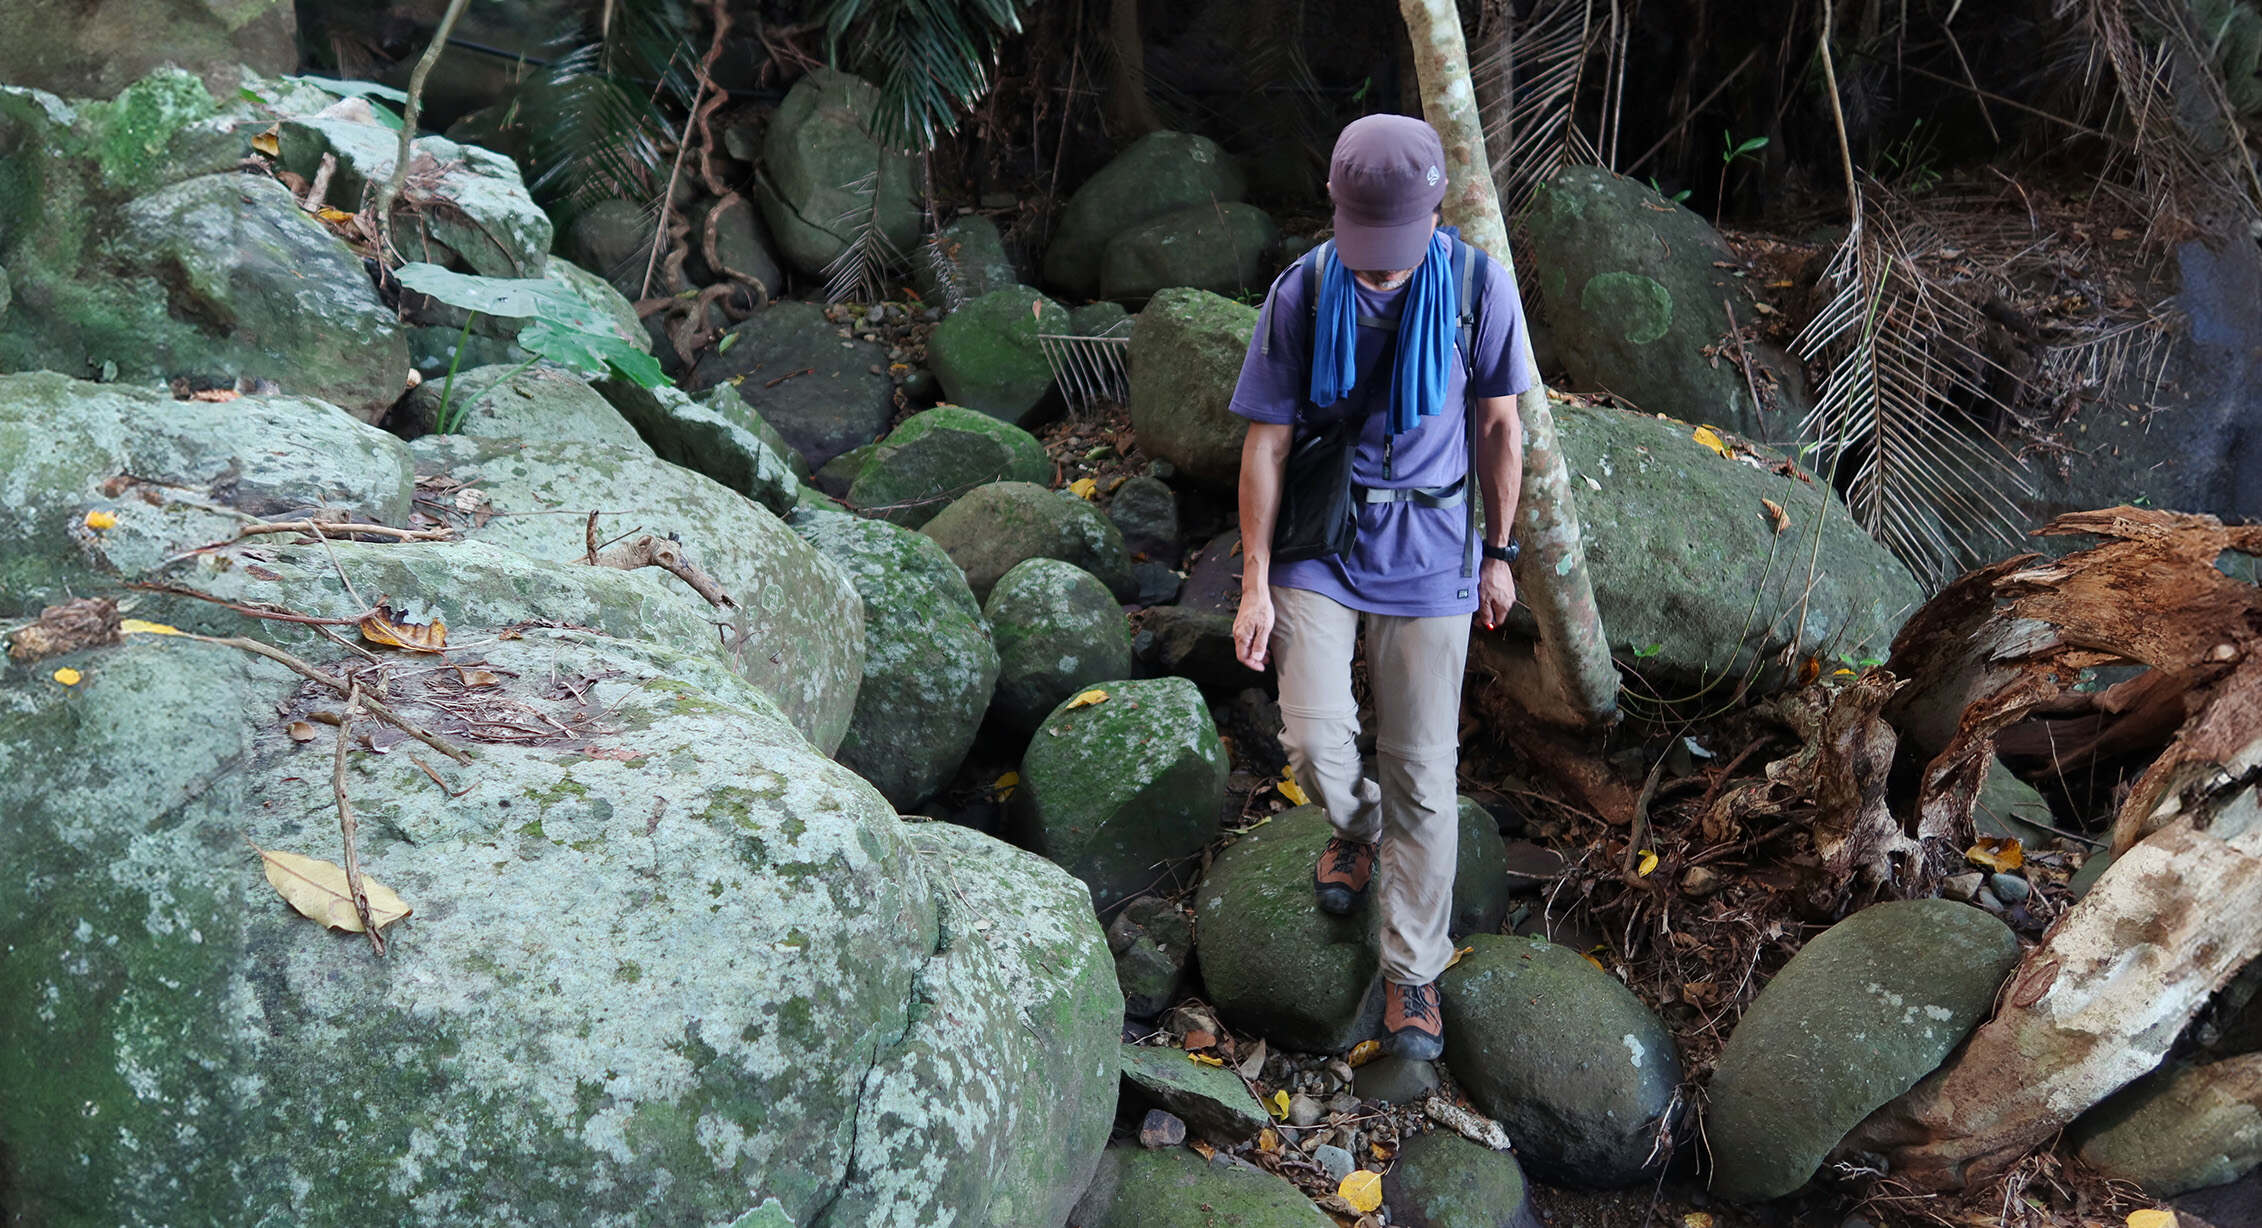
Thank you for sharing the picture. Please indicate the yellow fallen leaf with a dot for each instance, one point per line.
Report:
(2151, 1219)
(1268, 1139)
(1363, 1190)
(328, 214)
(99, 520)
(317, 889)
(68, 676)
(1457, 956)
(1648, 863)
(1697, 1219)
(1087, 699)
(1291, 790)
(1711, 439)
(1084, 488)
(1382, 1151)
(1279, 1105)
(269, 142)
(1363, 1052)
(2001, 854)
(1205, 1059)
(137, 626)
(1202, 1149)
(386, 626)
(1596, 962)
(1005, 784)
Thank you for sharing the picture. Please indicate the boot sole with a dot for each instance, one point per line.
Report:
(1416, 1046)
(1339, 901)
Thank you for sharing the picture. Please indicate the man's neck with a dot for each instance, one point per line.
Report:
(1385, 281)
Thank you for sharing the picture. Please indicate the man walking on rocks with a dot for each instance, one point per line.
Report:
(1399, 322)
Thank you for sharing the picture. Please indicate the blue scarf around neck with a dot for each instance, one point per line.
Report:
(1425, 337)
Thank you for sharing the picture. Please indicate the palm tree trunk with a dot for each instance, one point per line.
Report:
(1574, 654)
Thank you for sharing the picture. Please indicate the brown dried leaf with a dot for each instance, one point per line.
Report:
(300, 731)
(1777, 518)
(317, 889)
(387, 626)
(478, 677)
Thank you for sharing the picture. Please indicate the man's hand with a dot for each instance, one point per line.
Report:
(1496, 592)
(1252, 628)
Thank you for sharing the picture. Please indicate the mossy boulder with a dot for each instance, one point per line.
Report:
(95, 50)
(1213, 1101)
(1215, 247)
(971, 259)
(1562, 1054)
(986, 355)
(136, 252)
(818, 150)
(1862, 1012)
(507, 402)
(825, 390)
(2180, 1128)
(469, 207)
(1692, 581)
(995, 528)
(797, 632)
(935, 456)
(1633, 286)
(801, 1008)
(1441, 1180)
(1277, 966)
(929, 664)
(1187, 347)
(1111, 790)
(1159, 173)
(1176, 1188)
(716, 435)
(176, 474)
(1057, 632)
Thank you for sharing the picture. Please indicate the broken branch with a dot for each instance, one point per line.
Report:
(301, 668)
(346, 826)
(667, 555)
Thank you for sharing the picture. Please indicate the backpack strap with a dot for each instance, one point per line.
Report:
(1475, 268)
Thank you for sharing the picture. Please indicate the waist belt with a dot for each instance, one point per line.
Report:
(1453, 494)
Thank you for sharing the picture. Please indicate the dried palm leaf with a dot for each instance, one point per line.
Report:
(859, 272)
(1529, 76)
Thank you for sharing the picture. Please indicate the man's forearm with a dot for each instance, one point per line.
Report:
(1500, 458)
(1264, 455)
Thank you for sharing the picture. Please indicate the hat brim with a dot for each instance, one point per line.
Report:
(1369, 248)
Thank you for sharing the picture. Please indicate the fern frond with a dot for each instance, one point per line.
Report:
(858, 273)
(931, 59)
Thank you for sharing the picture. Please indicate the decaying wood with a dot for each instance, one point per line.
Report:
(346, 529)
(2120, 976)
(1474, 1127)
(88, 622)
(666, 554)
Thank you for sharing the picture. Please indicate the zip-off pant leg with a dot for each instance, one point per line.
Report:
(1415, 665)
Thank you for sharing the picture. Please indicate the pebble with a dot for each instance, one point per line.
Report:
(1344, 1102)
(1394, 1080)
(2010, 888)
(1304, 1111)
(1700, 881)
(1963, 887)
(1342, 1072)
(1336, 1161)
(1161, 1129)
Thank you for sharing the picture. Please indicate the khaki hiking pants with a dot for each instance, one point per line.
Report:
(1415, 666)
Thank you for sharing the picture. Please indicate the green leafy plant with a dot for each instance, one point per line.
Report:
(368, 91)
(1679, 197)
(1647, 651)
(1732, 149)
(560, 328)
(932, 59)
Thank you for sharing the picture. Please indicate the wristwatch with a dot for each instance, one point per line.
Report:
(1507, 553)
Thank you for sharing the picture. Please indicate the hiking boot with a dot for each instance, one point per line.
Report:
(1410, 1015)
(1345, 866)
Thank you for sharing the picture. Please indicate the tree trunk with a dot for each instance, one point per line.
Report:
(1573, 652)
(1130, 114)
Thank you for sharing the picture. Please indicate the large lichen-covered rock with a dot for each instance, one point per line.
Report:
(994, 528)
(1175, 1188)
(1212, 1100)
(1219, 247)
(1862, 1012)
(929, 665)
(2180, 1128)
(668, 963)
(1278, 966)
(968, 260)
(797, 632)
(824, 390)
(1057, 632)
(1187, 347)
(716, 435)
(986, 355)
(1633, 286)
(1441, 1180)
(464, 201)
(935, 456)
(175, 474)
(1693, 583)
(93, 50)
(1567, 1058)
(500, 402)
(136, 253)
(1112, 789)
(1159, 173)
(824, 176)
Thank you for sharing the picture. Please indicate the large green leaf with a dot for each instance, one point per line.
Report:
(565, 330)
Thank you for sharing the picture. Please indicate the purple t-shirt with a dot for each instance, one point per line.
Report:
(1408, 558)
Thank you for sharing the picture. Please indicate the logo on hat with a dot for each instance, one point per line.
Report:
(1433, 176)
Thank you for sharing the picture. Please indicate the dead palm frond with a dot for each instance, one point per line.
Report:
(1528, 78)
(600, 113)
(1905, 374)
(858, 273)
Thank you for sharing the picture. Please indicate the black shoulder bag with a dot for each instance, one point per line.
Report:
(1319, 504)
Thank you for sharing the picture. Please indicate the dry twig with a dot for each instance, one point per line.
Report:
(347, 829)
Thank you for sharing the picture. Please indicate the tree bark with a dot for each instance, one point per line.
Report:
(1574, 653)
(1130, 114)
